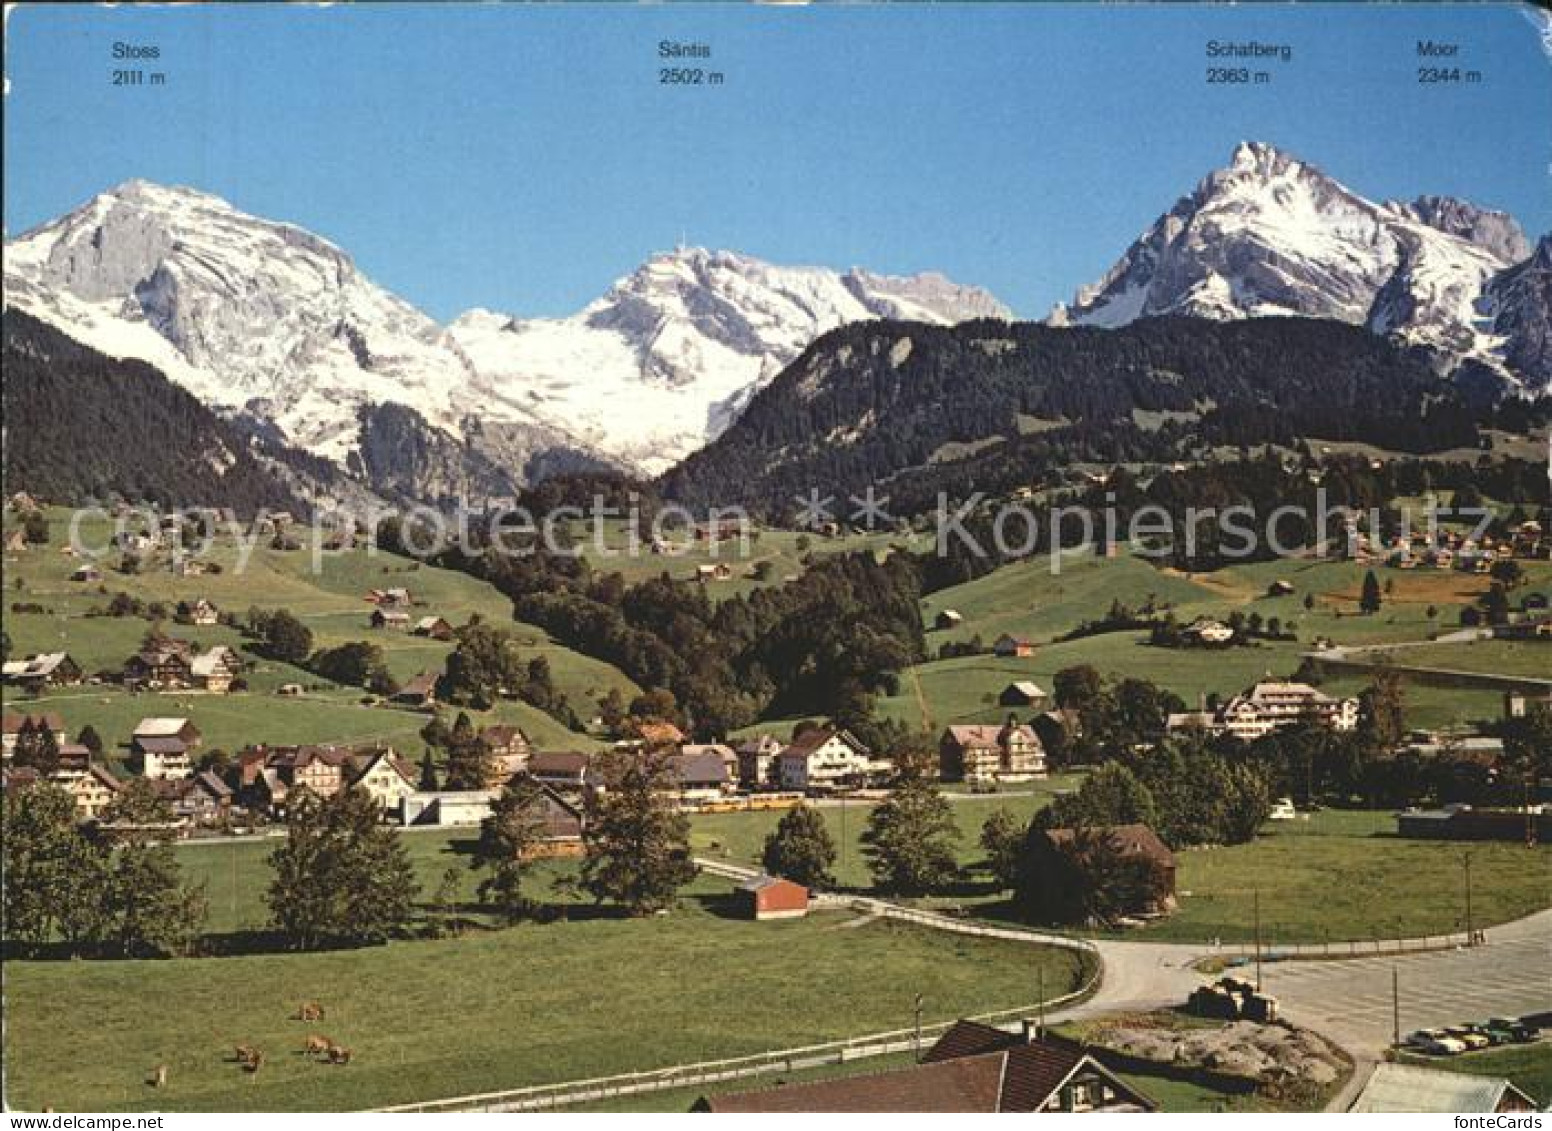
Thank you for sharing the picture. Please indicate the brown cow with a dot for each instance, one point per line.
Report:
(309, 1011)
(254, 1063)
(317, 1045)
(243, 1053)
(339, 1055)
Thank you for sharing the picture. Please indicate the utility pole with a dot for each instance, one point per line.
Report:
(1257, 906)
(1040, 1008)
(1471, 935)
(1395, 1006)
(918, 1028)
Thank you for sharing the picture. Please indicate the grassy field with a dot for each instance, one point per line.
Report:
(1344, 876)
(1500, 657)
(1027, 600)
(490, 1010)
(782, 552)
(1527, 1067)
(330, 600)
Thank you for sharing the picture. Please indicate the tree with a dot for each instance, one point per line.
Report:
(285, 637)
(341, 876)
(356, 664)
(147, 907)
(428, 774)
(638, 843)
(36, 747)
(1077, 687)
(910, 839)
(90, 739)
(1002, 839)
(1111, 795)
(1507, 572)
(469, 763)
(51, 878)
(1382, 714)
(35, 528)
(507, 837)
(1370, 600)
(1527, 744)
(801, 848)
(484, 665)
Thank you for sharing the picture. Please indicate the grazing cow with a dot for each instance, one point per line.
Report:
(310, 1011)
(157, 1077)
(244, 1053)
(254, 1062)
(338, 1055)
(317, 1045)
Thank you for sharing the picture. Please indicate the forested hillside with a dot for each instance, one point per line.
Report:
(917, 408)
(81, 426)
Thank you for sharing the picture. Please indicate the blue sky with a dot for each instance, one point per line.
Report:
(522, 158)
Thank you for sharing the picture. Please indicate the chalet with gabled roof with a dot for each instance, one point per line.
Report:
(825, 759)
(973, 1068)
(989, 755)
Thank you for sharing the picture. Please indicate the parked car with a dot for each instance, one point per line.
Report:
(1519, 1031)
(1444, 1046)
(1468, 1036)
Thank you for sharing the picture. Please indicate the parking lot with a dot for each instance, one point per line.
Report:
(1350, 1000)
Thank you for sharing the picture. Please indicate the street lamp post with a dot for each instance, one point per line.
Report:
(917, 1041)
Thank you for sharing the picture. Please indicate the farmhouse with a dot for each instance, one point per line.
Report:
(92, 788)
(15, 727)
(1135, 842)
(45, 669)
(389, 618)
(973, 1068)
(757, 767)
(390, 598)
(771, 897)
(384, 775)
(698, 777)
(215, 670)
(718, 750)
(560, 823)
(824, 759)
(433, 627)
(568, 772)
(160, 747)
(1022, 693)
(417, 692)
(508, 750)
(721, 571)
(168, 666)
(1207, 632)
(1008, 647)
(87, 573)
(203, 612)
(948, 618)
(985, 754)
(201, 799)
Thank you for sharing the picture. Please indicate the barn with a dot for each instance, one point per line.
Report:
(771, 897)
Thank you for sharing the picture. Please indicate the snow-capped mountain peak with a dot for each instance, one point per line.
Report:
(269, 320)
(1270, 234)
(666, 358)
